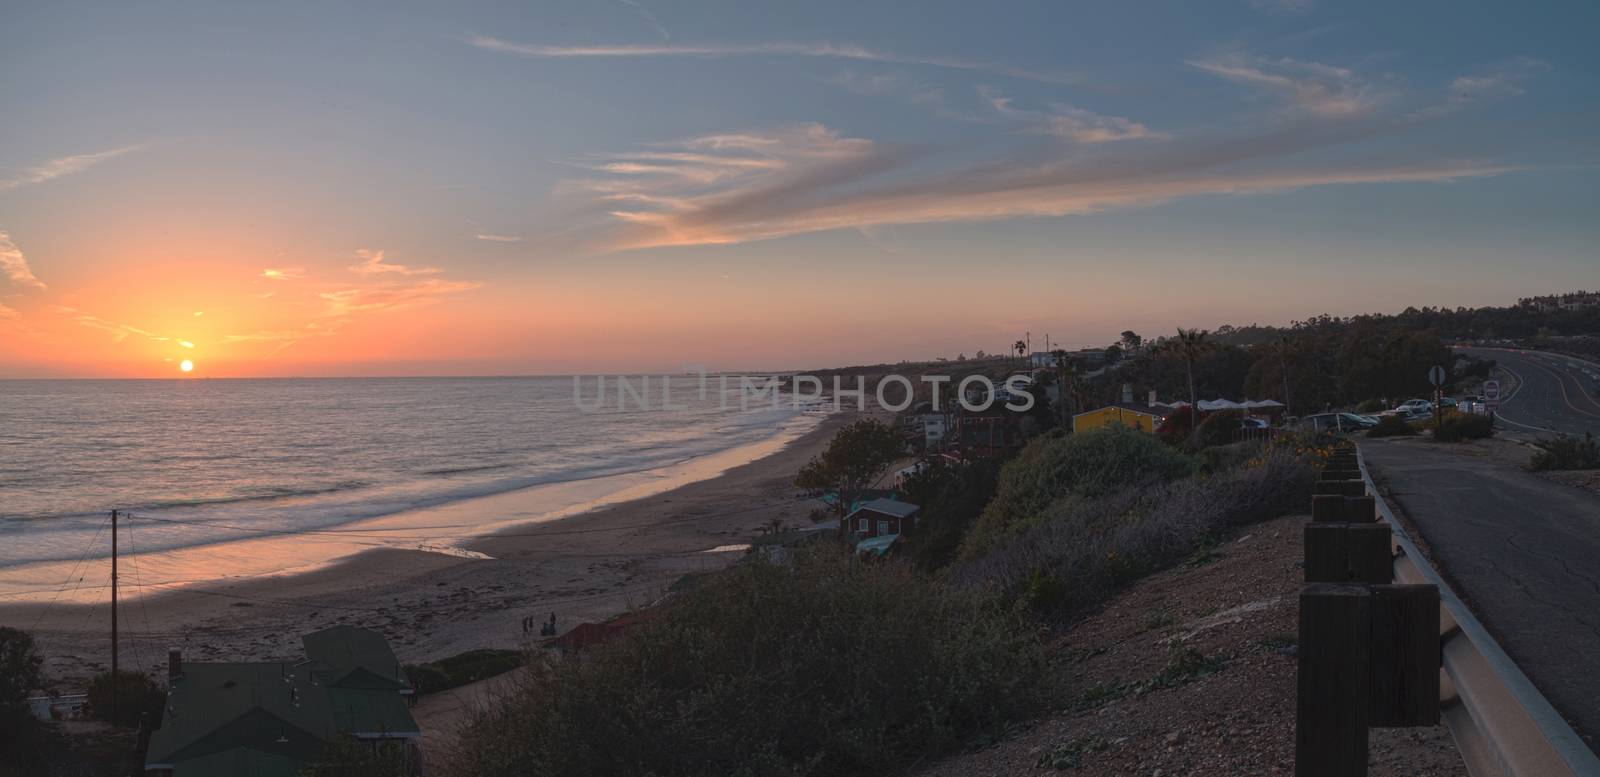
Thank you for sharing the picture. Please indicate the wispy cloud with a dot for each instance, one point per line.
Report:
(499, 238)
(825, 181)
(792, 49)
(57, 168)
(372, 263)
(15, 265)
(1069, 122)
(388, 287)
(9, 313)
(1504, 79)
(892, 85)
(371, 299)
(283, 273)
(119, 331)
(1307, 87)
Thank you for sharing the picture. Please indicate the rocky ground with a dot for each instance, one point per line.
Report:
(1192, 672)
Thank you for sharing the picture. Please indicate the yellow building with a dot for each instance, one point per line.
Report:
(1135, 416)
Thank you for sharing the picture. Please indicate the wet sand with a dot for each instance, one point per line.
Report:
(582, 567)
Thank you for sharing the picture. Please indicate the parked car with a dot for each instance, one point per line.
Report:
(1416, 406)
(1409, 414)
(1338, 422)
(1361, 421)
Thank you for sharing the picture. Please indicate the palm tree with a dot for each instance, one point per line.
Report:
(1021, 347)
(1189, 345)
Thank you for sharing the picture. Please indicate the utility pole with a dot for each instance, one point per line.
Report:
(114, 676)
(1283, 356)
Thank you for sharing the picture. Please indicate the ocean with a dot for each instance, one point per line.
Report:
(206, 462)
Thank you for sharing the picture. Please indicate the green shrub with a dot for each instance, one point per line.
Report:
(1391, 426)
(1370, 406)
(1046, 594)
(1096, 546)
(951, 497)
(1223, 458)
(1177, 427)
(1456, 427)
(1219, 428)
(139, 699)
(1056, 468)
(821, 667)
(1567, 452)
(27, 746)
(460, 669)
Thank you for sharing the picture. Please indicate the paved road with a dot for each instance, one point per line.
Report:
(1524, 552)
(1556, 394)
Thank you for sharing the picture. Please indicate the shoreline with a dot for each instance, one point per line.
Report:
(585, 562)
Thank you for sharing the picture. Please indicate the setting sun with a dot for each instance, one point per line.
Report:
(186, 366)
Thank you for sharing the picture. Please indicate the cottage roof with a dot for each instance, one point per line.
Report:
(226, 718)
(1158, 412)
(352, 657)
(887, 507)
(215, 707)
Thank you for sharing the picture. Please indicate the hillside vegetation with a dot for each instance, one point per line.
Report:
(829, 664)
(1058, 470)
(819, 667)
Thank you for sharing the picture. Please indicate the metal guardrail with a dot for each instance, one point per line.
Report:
(1502, 724)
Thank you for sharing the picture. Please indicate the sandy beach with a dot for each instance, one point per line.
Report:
(582, 564)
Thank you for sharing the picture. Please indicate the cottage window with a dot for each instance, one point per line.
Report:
(863, 526)
(883, 527)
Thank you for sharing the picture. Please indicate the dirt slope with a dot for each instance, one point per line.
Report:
(1192, 672)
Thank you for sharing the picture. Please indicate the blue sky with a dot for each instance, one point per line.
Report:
(797, 184)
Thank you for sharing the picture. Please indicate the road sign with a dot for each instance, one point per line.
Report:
(1436, 375)
(1491, 390)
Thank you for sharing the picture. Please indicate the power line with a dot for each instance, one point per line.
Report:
(71, 573)
(144, 609)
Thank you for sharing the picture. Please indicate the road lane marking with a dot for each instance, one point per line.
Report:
(1521, 383)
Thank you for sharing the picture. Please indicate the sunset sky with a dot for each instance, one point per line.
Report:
(636, 185)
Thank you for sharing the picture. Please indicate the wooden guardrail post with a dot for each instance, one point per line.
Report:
(1404, 675)
(1340, 487)
(1334, 508)
(1327, 508)
(1369, 650)
(1361, 509)
(1332, 705)
(1348, 553)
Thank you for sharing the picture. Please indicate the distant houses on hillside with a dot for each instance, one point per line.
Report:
(1572, 301)
(274, 719)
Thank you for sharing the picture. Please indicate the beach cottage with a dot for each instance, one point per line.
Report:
(881, 517)
(271, 718)
(1142, 417)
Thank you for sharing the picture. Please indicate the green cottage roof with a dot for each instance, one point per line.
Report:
(350, 657)
(215, 707)
(241, 719)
